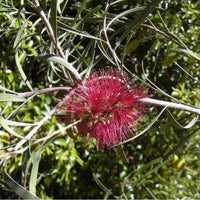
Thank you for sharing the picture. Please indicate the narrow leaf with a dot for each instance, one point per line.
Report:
(122, 153)
(101, 185)
(64, 63)
(169, 59)
(139, 20)
(79, 12)
(35, 159)
(53, 18)
(189, 53)
(7, 90)
(130, 11)
(13, 123)
(18, 36)
(178, 125)
(69, 29)
(23, 75)
(146, 129)
(183, 141)
(17, 188)
(4, 124)
(85, 18)
(11, 98)
(34, 171)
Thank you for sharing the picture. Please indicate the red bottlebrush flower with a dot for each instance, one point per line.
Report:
(107, 106)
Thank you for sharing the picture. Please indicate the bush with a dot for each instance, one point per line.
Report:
(155, 42)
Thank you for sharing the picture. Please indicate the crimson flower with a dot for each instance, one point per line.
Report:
(107, 106)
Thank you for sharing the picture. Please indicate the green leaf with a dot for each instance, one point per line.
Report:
(4, 124)
(101, 185)
(182, 142)
(169, 59)
(139, 20)
(17, 188)
(16, 45)
(64, 63)
(34, 171)
(74, 31)
(60, 141)
(146, 129)
(189, 53)
(18, 36)
(35, 159)
(158, 162)
(85, 18)
(79, 160)
(178, 125)
(11, 98)
(79, 12)
(132, 45)
(7, 90)
(104, 52)
(23, 75)
(123, 14)
(13, 123)
(122, 153)
(53, 17)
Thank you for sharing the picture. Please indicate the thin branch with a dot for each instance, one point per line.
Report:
(34, 130)
(166, 35)
(49, 28)
(171, 105)
(43, 91)
(52, 37)
(57, 132)
(107, 39)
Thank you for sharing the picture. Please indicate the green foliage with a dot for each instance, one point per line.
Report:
(155, 42)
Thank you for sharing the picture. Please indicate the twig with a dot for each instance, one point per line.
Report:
(167, 35)
(171, 105)
(49, 28)
(57, 132)
(107, 40)
(43, 91)
(34, 130)
(52, 37)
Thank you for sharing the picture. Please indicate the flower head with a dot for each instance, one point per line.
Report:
(107, 105)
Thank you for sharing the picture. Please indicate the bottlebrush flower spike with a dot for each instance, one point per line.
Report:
(107, 105)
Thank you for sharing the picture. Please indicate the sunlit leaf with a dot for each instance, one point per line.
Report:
(14, 123)
(7, 90)
(19, 66)
(4, 124)
(64, 63)
(11, 98)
